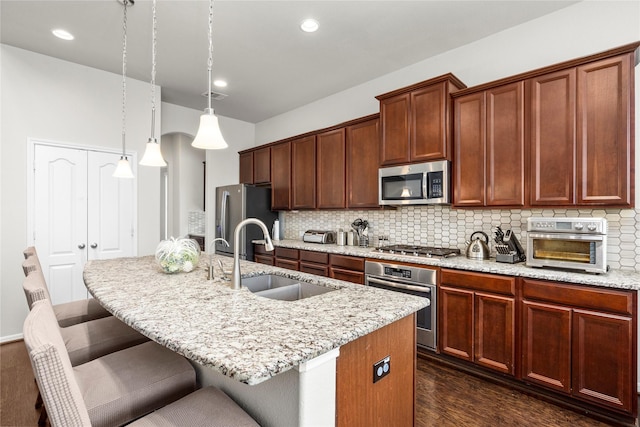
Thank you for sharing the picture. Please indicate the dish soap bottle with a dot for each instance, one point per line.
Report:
(276, 230)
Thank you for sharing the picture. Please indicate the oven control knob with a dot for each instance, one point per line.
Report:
(416, 254)
(403, 253)
(578, 226)
(592, 227)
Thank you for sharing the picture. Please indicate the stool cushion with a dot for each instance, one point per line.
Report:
(123, 386)
(90, 340)
(207, 407)
(80, 311)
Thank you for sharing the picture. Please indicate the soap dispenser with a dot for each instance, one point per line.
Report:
(275, 233)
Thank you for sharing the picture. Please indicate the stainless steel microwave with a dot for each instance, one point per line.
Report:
(417, 184)
(568, 243)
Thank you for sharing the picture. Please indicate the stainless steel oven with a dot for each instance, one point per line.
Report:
(568, 243)
(409, 280)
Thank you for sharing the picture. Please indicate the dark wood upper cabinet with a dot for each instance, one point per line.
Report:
(505, 154)
(330, 163)
(262, 165)
(469, 150)
(557, 136)
(362, 164)
(246, 167)
(553, 138)
(281, 176)
(604, 131)
(415, 121)
(303, 173)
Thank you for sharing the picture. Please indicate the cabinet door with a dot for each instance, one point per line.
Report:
(347, 275)
(429, 136)
(263, 259)
(604, 91)
(546, 345)
(552, 127)
(395, 119)
(246, 168)
(603, 361)
(363, 141)
(505, 145)
(330, 163)
(317, 269)
(456, 322)
(495, 332)
(286, 263)
(303, 173)
(281, 176)
(262, 165)
(469, 150)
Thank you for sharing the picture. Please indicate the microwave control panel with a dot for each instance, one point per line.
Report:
(435, 185)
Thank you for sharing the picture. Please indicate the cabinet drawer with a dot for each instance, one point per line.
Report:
(263, 259)
(259, 249)
(320, 270)
(348, 262)
(286, 263)
(312, 256)
(611, 300)
(347, 276)
(287, 253)
(479, 281)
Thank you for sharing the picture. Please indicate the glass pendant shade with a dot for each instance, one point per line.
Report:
(209, 136)
(152, 154)
(123, 170)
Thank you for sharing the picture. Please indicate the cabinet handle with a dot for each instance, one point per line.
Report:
(94, 245)
(81, 246)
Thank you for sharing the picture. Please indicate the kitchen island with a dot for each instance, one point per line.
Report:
(249, 345)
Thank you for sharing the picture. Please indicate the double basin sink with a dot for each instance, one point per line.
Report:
(282, 288)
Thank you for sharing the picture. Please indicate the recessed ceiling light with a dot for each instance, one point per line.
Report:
(309, 25)
(220, 83)
(62, 34)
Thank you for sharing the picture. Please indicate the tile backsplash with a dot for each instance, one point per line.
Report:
(447, 227)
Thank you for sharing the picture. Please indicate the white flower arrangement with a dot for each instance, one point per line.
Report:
(176, 255)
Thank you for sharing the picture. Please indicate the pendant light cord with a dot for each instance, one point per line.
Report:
(124, 75)
(153, 74)
(210, 62)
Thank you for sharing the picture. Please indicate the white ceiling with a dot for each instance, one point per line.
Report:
(270, 64)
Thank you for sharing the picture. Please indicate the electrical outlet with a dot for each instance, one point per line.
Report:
(381, 369)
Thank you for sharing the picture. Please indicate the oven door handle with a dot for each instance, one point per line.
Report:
(399, 285)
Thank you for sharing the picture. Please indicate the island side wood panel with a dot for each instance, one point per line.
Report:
(391, 400)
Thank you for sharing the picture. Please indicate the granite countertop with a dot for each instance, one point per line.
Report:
(243, 336)
(620, 279)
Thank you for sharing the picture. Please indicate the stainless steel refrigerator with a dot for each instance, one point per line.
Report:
(235, 203)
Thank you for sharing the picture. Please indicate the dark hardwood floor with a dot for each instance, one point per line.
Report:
(446, 397)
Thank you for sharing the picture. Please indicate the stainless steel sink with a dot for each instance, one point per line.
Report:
(266, 281)
(282, 288)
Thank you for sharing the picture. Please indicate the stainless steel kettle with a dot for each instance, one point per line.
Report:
(476, 248)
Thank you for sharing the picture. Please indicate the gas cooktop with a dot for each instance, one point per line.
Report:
(426, 251)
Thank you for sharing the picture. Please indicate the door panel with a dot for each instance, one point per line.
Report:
(60, 219)
(111, 209)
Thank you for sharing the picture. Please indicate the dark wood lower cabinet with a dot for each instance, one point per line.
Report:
(581, 341)
(477, 319)
(348, 268)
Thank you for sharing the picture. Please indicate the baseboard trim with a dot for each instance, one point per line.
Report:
(10, 338)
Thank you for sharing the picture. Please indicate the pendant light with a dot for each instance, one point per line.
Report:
(152, 154)
(123, 170)
(209, 136)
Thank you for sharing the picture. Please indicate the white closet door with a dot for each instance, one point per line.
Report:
(60, 219)
(111, 209)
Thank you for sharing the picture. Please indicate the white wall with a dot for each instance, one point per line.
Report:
(579, 30)
(222, 165)
(50, 99)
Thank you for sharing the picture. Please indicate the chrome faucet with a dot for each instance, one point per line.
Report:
(268, 245)
(210, 275)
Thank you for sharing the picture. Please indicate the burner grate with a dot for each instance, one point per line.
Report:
(428, 251)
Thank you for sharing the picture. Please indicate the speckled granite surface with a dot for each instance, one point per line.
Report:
(241, 335)
(620, 279)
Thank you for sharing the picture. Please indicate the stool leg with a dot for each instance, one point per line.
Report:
(42, 421)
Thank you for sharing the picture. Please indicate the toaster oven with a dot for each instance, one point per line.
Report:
(568, 243)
